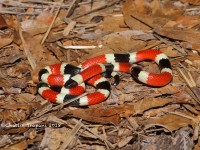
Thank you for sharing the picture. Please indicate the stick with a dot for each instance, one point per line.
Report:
(51, 25)
(27, 52)
(94, 10)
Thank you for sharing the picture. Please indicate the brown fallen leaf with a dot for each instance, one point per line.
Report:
(109, 115)
(188, 21)
(45, 17)
(124, 141)
(170, 122)
(194, 46)
(170, 52)
(11, 58)
(112, 24)
(12, 130)
(194, 2)
(18, 146)
(54, 137)
(144, 15)
(148, 103)
(15, 106)
(9, 82)
(158, 21)
(40, 56)
(161, 111)
(128, 9)
(188, 35)
(39, 25)
(3, 23)
(168, 89)
(115, 42)
(5, 41)
(33, 27)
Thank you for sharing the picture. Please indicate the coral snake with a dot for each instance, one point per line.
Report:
(62, 82)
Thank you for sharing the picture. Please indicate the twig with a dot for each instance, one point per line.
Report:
(182, 115)
(81, 47)
(170, 43)
(70, 26)
(159, 37)
(51, 25)
(72, 7)
(71, 135)
(41, 2)
(98, 136)
(18, 13)
(138, 19)
(97, 9)
(27, 4)
(190, 82)
(152, 45)
(27, 52)
(194, 120)
(105, 137)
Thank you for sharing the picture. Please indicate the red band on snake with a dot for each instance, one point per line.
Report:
(71, 79)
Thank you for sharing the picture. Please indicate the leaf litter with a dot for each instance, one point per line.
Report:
(135, 116)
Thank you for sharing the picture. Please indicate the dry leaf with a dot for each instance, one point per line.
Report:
(112, 24)
(3, 23)
(148, 103)
(45, 18)
(128, 10)
(33, 27)
(18, 146)
(188, 21)
(124, 141)
(54, 137)
(194, 2)
(169, 121)
(188, 35)
(109, 115)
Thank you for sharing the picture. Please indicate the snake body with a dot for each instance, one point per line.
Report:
(61, 82)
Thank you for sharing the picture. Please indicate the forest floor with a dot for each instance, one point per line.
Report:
(36, 33)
